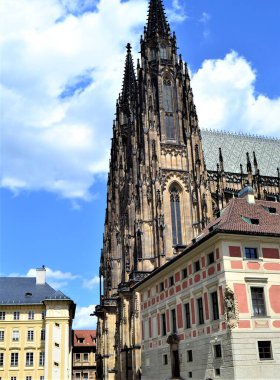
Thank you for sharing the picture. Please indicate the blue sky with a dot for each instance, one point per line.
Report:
(61, 73)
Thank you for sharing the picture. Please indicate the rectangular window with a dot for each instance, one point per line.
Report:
(13, 378)
(184, 273)
(210, 258)
(218, 351)
(187, 316)
(165, 359)
(31, 314)
(171, 280)
(43, 315)
(258, 303)
(265, 351)
(42, 378)
(30, 335)
(1, 359)
(85, 376)
(78, 375)
(215, 306)
(217, 372)
(161, 287)
(42, 359)
(196, 266)
(2, 335)
(163, 324)
(190, 375)
(2, 315)
(43, 334)
(28, 378)
(173, 319)
(15, 335)
(14, 359)
(29, 359)
(200, 311)
(16, 315)
(78, 357)
(86, 357)
(189, 356)
(251, 253)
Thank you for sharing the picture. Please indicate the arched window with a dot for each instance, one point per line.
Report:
(175, 215)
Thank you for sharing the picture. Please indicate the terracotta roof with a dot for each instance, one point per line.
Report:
(261, 217)
(237, 218)
(88, 336)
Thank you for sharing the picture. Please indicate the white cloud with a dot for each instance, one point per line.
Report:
(53, 142)
(205, 17)
(91, 283)
(177, 12)
(83, 320)
(225, 96)
(61, 75)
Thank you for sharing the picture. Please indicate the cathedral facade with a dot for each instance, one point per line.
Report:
(167, 180)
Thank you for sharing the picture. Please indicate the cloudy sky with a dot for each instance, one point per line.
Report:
(61, 71)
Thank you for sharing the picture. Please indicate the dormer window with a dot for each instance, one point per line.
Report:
(250, 220)
(270, 210)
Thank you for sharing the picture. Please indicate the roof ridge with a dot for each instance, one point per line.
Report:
(242, 134)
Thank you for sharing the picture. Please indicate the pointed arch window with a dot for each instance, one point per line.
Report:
(175, 215)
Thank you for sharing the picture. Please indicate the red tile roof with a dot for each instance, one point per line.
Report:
(88, 336)
(238, 213)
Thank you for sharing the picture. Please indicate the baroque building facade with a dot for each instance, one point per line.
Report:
(161, 192)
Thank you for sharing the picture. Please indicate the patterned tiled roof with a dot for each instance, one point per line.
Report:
(24, 290)
(88, 336)
(234, 148)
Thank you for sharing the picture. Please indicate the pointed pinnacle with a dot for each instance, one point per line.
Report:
(157, 22)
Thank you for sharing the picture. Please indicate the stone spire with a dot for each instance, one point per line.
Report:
(129, 78)
(157, 23)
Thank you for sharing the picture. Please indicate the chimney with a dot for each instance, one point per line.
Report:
(41, 276)
(247, 193)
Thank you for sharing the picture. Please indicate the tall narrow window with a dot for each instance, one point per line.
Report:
(215, 306)
(200, 311)
(168, 108)
(173, 319)
(175, 215)
(163, 324)
(187, 316)
(167, 96)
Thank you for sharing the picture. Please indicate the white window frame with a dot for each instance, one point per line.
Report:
(29, 359)
(30, 335)
(15, 335)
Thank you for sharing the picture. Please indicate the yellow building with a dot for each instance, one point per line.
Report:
(35, 329)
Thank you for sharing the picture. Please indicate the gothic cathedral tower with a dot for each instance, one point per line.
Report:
(157, 197)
